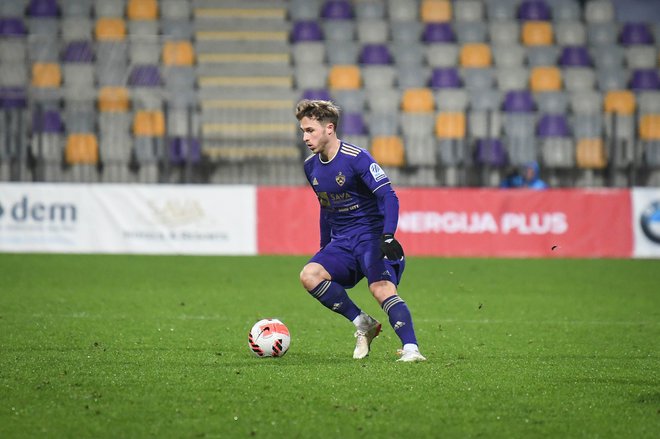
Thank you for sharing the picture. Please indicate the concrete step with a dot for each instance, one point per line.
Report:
(254, 58)
(241, 46)
(238, 24)
(244, 69)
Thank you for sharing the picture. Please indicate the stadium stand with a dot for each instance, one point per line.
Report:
(445, 92)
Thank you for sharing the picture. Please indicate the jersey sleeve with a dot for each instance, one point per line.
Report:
(379, 183)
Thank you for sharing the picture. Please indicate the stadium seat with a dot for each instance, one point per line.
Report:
(310, 75)
(635, 33)
(470, 32)
(620, 102)
(113, 99)
(445, 77)
(475, 55)
(149, 123)
(591, 154)
(545, 79)
(369, 10)
(509, 55)
(450, 125)
(347, 52)
(42, 8)
(469, 11)
(306, 30)
(575, 56)
(557, 147)
(570, 33)
(109, 8)
(641, 57)
(352, 124)
(554, 102)
(542, 56)
(142, 10)
(649, 127)
(344, 77)
(388, 150)
(375, 53)
(644, 80)
(406, 31)
(501, 10)
(178, 53)
(383, 122)
(579, 78)
(175, 9)
(442, 55)
(337, 10)
(534, 10)
(537, 33)
(182, 150)
(373, 31)
(403, 10)
(82, 148)
(435, 11)
(438, 32)
(46, 75)
(145, 76)
(110, 29)
(599, 11)
(417, 100)
(504, 32)
(490, 153)
(512, 78)
(478, 78)
(566, 10)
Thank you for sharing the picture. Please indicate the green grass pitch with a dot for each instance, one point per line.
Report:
(96, 346)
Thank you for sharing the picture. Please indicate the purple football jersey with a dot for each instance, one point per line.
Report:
(345, 186)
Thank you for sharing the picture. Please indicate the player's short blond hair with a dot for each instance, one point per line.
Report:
(322, 111)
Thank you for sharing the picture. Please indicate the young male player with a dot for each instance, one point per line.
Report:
(359, 215)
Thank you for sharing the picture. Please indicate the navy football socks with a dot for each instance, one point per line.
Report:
(400, 319)
(333, 296)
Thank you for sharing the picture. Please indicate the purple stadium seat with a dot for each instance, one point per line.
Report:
(337, 10)
(518, 101)
(553, 125)
(47, 122)
(317, 93)
(42, 8)
(635, 33)
(375, 54)
(78, 51)
(645, 79)
(534, 10)
(445, 77)
(10, 26)
(306, 30)
(490, 152)
(183, 150)
(438, 33)
(145, 75)
(575, 56)
(352, 124)
(12, 97)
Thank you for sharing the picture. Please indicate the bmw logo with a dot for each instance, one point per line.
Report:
(650, 221)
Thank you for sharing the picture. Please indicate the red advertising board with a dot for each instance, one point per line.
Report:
(469, 222)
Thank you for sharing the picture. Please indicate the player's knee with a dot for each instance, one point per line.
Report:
(310, 277)
(383, 289)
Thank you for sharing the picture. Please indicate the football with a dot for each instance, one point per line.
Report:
(269, 338)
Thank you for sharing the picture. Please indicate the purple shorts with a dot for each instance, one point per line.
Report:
(348, 260)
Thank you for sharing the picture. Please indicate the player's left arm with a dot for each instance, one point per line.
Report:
(376, 179)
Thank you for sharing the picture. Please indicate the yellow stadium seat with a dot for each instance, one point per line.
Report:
(450, 125)
(591, 154)
(113, 99)
(149, 123)
(344, 77)
(537, 33)
(46, 75)
(82, 149)
(110, 29)
(142, 9)
(388, 150)
(476, 55)
(178, 53)
(435, 11)
(417, 100)
(649, 127)
(545, 78)
(620, 101)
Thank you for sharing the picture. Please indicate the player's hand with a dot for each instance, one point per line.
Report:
(390, 247)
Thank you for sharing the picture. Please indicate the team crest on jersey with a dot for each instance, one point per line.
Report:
(377, 172)
(340, 179)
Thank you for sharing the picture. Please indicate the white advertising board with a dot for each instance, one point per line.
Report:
(142, 219)
(646, 222)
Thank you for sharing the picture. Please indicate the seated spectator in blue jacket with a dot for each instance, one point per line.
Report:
(527, 177)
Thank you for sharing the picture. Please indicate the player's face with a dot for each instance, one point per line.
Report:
(315, 135)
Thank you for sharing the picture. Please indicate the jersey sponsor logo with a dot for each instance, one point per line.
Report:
(377, 172)
(340, 179)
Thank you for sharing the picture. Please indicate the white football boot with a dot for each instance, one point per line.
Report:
(410, 356)
(365, 337)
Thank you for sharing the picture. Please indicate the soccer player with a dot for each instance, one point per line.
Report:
(359, 215)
